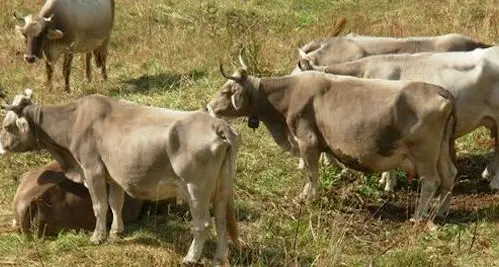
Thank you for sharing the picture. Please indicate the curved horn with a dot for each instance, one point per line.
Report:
(227, 76)
(49, 19)
(243, 65)
(15, 108)
(18, 17)
(28, 93)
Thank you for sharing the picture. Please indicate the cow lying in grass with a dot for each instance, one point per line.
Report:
(150, 153)
(472, 77)
(47, 202)
(369, 125)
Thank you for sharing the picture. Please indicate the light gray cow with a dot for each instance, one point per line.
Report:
(472, 77)
(68, 27)
(150, 153)
(399, 123)
(341, 49)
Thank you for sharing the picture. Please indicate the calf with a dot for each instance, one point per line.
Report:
(150, 153)
(472, 77)
(47, 202)
(68, 27)
(369, 125)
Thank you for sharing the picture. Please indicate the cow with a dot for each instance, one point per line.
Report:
(369, 125)
(472, 77)
(351, 47)
(68, 27)
(47, 202)
(149, 153)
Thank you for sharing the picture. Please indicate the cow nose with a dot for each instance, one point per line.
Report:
(29, 58)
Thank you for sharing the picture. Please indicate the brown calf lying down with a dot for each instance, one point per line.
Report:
(47, 202)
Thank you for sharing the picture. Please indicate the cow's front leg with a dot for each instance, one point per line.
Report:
(310, 155)
(66, 69)
(49, 68)
(116, 200)
(96, 184)
(491, 169)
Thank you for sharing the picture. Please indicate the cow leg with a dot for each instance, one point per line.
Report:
(447, 170)
(221, 202)
(491, 169)
(101, 58)
(49, 68)
(199, 204)
(389, 179)
(429, 184)
(88, 66)
(66, 69)
(116, 200)
(96, 184)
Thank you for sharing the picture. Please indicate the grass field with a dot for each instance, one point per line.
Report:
(166, 53)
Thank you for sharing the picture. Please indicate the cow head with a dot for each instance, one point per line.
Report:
(304, 61)
(16, 134)
(37, 31)
(233, 99)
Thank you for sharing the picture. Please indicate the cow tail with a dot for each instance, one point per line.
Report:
(340, 27)
(229, 169)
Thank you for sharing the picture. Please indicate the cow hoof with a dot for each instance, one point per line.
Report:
(486, 174)
(494, 184)
(192, 263)
(97, 239)
(116, 235)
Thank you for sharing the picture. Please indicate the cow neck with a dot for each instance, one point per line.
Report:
(50, 125)
(269, 104)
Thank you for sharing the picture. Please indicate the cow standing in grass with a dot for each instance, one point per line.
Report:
(369, 125)
(150, 153)
(472, 77)
(68, 27)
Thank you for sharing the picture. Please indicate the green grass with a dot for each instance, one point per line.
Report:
(166, 53)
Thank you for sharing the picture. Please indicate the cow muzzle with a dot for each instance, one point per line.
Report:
(30, 58)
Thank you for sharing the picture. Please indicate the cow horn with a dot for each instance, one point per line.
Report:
(18, 17)
(241, 59)
(49, 19)
(28, 93)
(234, 78)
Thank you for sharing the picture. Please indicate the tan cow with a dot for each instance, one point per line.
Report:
(472, 77)
(47, 202)
(150, 153)
(68, 27)
(353, 46)
(369, 125)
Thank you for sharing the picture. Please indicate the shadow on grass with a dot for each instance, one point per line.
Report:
(158, 82)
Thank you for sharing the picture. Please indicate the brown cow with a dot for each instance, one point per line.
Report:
(67, 27)
(369, 125)
(47, 202)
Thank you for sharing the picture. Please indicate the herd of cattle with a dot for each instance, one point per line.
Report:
(406, 100)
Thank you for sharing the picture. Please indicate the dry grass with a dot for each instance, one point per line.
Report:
(166, 53)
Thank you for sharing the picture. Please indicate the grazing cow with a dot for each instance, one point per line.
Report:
(369, 125)
(47, 202)
(472, 77)
(68, 27)
(353, 46)
(150, 153)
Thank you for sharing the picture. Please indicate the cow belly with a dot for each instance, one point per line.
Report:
(156, 189)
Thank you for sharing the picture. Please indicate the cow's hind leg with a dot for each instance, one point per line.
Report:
(199, 205)
(66, 69)
(389, 179)
(221, 202)
(96, 183)
(430, 181)
(88, 66)
(116, 200)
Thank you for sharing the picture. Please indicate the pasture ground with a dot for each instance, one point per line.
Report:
(166, 53)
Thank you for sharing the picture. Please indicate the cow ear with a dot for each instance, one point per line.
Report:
(23, 125)
(237, 99)
(54, 34)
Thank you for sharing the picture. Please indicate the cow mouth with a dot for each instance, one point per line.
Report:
(30, 58)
